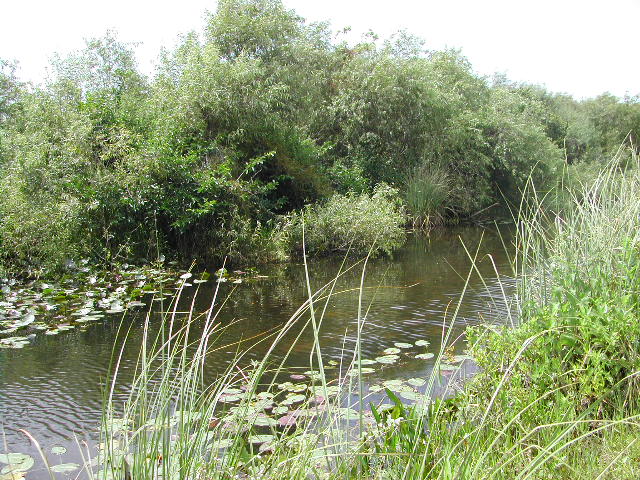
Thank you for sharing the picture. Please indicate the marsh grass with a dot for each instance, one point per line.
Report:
(427, 193)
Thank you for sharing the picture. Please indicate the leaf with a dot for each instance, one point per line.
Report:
(403, 345)
(416, 382)
(425, 356)
(411, 395)
(58, 450)
(261, 438)
(387, 359)
(17, 462)
(291, 399)
(14, 458)
(391, 351)
(65, 467)
(422, 343)
(287, 421)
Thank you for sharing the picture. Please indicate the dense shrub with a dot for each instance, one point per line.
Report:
(357, 223)
(257, 118)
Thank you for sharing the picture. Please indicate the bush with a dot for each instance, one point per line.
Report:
(357, 223)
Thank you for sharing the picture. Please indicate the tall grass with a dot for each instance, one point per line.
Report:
(427, 192)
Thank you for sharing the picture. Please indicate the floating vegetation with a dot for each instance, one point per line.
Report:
(387, 359)
(16, 463)
(425, 356)
(84, 296)
(391, 351)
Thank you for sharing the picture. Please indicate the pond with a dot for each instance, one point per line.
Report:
(53, 387)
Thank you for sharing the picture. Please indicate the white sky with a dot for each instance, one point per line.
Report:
(582, 47)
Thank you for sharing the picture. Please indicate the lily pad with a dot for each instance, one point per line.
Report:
(58, 450)
(264, 421)
(425, 356)
(391, 351)
(65, 467)
(287, 421)
(261, 438)
(410, 395)
(416, 382)
(291, 399)
(364, 370)
(447, 368)
(17, 462)
(461, 358)
(403, 345)
(422, 343)
(366, 361)
(387, 359)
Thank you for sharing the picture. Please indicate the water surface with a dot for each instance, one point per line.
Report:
(53, 388)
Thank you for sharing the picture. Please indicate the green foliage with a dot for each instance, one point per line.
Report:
(579, 323)
(357, 223)
(264, 115)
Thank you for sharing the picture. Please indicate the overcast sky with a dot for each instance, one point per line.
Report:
(582, 47)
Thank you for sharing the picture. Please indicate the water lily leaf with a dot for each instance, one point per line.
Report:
(261, 438)
(376, 388)
(422, 343)
(200, 281)
(410, 395)
(222, 443)
(17, 462)
(28, 319)
(364, 370)
(58, 450)
(287, 421)
(348, 414)
(264, 421)
(387, 359)
(12, 476)
(229, 398)
(232, 391)
(291, 399)
(280, 410)
(403, 345)
(366, 361)
(416, 382)
(297, 376)
(425, 356)
(65, 467)
(391, 351)
(447, 367)
(187, 275)
(461, 358)
(333, 390)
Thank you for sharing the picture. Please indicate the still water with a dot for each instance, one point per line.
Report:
(53, 388)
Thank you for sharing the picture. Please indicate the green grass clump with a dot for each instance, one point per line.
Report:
(357, 223)
(426, 193)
